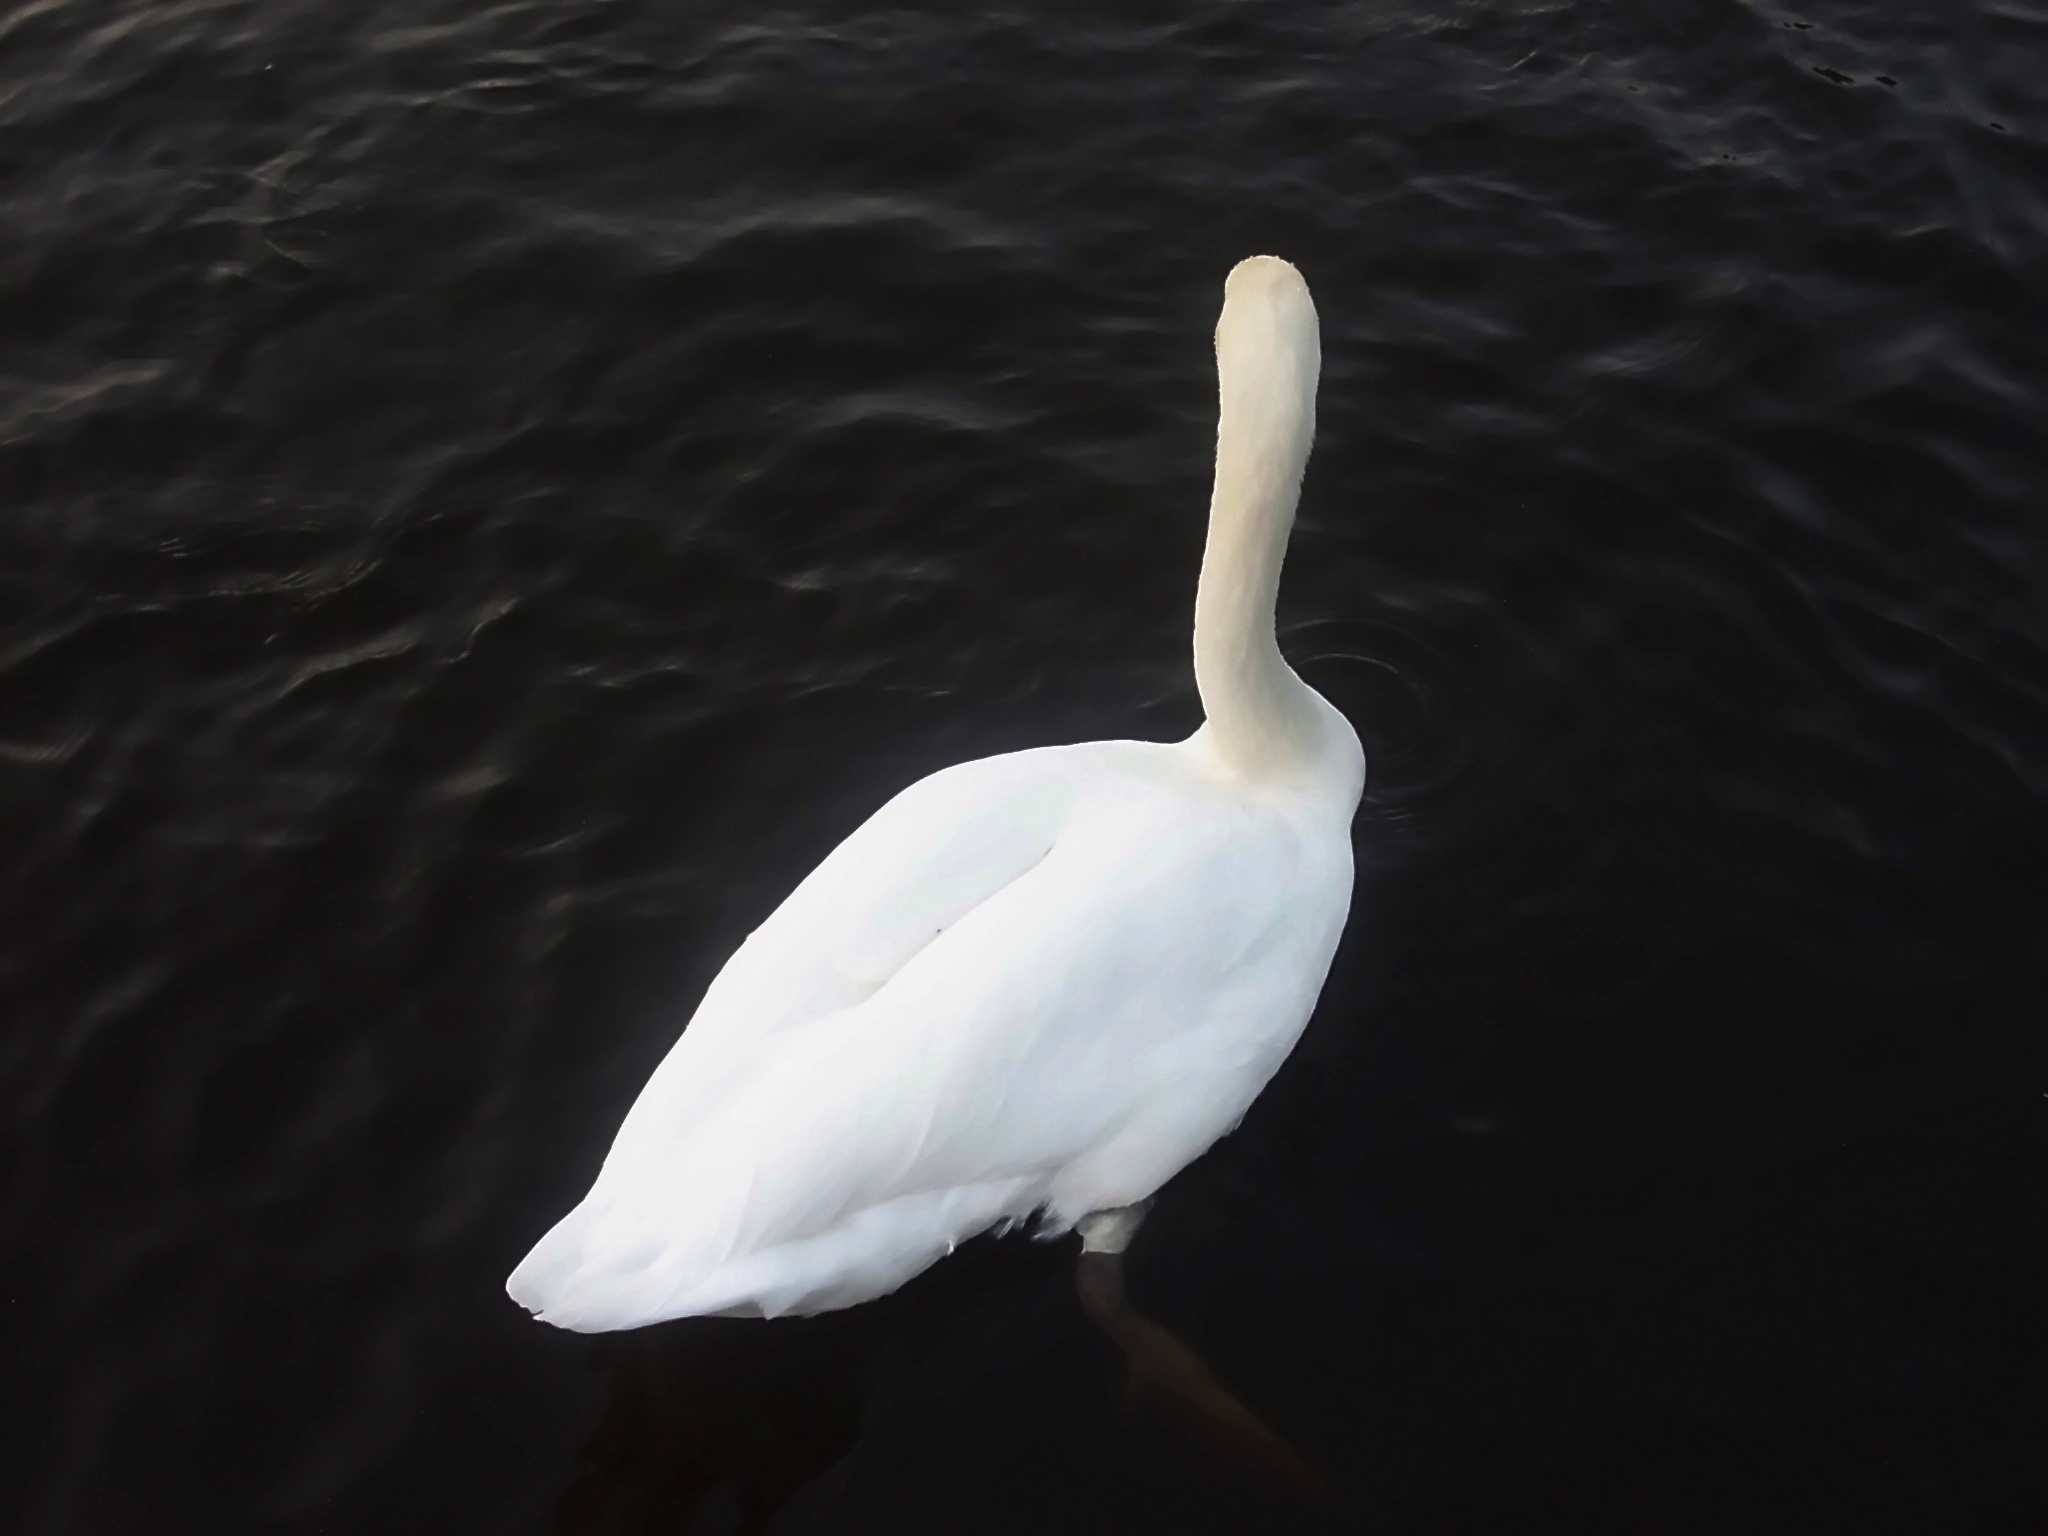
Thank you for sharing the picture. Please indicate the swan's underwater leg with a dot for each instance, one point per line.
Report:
(1111, 1231)
(1158, 1361)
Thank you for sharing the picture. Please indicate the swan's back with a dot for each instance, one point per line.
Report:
(1043, 981)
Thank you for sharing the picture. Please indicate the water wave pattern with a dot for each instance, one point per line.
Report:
(493, 491)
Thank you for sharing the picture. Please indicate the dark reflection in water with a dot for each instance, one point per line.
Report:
(696, 1423)
(703, 1427)
(494, 492)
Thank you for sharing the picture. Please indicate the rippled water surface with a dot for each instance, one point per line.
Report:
(492, 492)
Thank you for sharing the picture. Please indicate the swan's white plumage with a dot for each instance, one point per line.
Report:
(1041, 982)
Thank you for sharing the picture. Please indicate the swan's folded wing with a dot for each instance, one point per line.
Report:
(943, 847)
(930, 856)
(926, 859)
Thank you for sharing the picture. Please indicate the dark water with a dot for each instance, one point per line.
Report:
(493, 492)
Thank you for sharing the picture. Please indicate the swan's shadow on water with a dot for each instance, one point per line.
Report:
(719, 1425)
(704, 1418)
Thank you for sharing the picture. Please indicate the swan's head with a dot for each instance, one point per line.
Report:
(1268, 356)
(1268, 325)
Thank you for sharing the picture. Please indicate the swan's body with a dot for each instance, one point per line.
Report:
(1036, 983)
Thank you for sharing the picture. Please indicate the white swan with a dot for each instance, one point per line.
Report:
(1037, 983)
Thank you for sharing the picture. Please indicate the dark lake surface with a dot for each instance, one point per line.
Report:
(492, 493)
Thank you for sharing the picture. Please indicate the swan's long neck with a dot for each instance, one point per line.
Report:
(1262, 717)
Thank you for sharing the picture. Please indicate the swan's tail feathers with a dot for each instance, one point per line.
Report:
(544, 1274)
(562, 1280)
(598, 1271)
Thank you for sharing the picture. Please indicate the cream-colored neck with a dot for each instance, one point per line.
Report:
(1262, 718)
